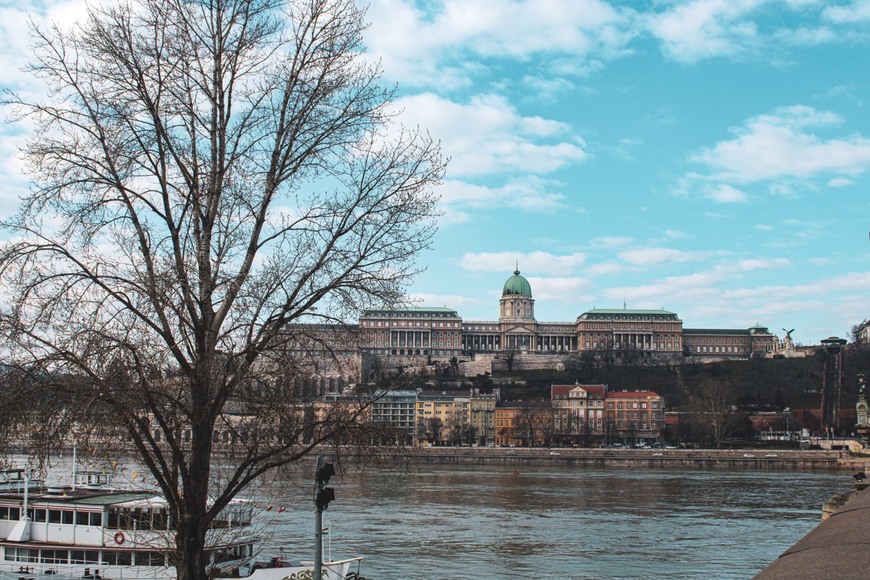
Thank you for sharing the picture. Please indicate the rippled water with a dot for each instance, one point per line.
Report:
(485, 522)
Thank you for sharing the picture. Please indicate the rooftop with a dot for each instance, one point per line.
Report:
(414, 311)
(627, 313)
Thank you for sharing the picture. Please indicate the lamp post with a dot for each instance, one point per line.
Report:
(322, 496)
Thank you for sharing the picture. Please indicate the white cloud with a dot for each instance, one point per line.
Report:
(455, 301)
(569, 290)
(532, 262)
(840, 182)
(807, 35)
(857, 12)
(700, 29)
(487, 135)
(610, 242)
(763, 264)
(725, 193)
(657, 256)
(416, 43)
(775, 146)
(522, 193)
(605, 269)
(783, 149)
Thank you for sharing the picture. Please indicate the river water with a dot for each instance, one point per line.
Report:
(491, 522)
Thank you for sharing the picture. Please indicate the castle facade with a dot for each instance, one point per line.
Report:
(441, 333)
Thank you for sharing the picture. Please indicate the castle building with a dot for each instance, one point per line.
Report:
(649, 331)
(753, 341)
(441, 333)
(414, 331)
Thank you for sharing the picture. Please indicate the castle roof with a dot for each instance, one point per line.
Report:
(517, 285)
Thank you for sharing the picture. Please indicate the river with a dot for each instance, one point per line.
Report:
(492, 522)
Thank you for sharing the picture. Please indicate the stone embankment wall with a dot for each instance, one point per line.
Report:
(658, 458)
(839, 547)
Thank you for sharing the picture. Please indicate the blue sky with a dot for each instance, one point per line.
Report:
(708, 157)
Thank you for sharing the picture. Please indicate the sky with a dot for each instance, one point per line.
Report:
(706, 157)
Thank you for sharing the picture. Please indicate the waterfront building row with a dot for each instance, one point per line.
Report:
(574, 415)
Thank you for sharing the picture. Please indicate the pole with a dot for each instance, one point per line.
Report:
(322, 496)
(318, 527)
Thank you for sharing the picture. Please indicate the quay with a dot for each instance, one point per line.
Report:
(791, 459)
(839, 547)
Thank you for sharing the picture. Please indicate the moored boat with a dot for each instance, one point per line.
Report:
(92, 531)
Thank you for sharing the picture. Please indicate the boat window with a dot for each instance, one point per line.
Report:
(150, 559)
(82, 518)
(54, 516)
(22, 554)
(96, 519)
(138, 519)
(55, 556)
(38, 515)
(67, 517)
(84, 557)
(117, 558)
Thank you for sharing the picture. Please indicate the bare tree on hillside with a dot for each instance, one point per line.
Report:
(209, 179)
(717, 400)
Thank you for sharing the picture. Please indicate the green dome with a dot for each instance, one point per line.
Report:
(516, 284)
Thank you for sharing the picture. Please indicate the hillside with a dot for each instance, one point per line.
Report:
(752, 385)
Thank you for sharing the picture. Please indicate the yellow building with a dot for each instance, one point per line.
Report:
(443, 417)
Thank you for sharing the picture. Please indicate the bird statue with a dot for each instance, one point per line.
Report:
(860, 476)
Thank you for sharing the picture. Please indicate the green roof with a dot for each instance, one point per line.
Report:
(625, 313)
(439, 311)
(518, 285)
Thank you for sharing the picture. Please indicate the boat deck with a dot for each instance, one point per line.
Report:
(29, 575)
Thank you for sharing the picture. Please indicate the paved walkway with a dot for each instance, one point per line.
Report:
(839, 547)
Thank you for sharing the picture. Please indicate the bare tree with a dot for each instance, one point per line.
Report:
(716, 403)
(210, 178)
(430, 430)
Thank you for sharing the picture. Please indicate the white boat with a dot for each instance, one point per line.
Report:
(93, 532)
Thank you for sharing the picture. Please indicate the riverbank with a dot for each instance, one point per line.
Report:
(797, 460)
(836, 548)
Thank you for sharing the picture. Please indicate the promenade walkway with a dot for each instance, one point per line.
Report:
(839, 547)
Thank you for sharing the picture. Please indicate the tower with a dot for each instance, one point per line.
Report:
(517, 314)
(516, 300)
(832, 382)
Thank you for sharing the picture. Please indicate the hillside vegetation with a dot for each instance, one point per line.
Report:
(752, 385)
